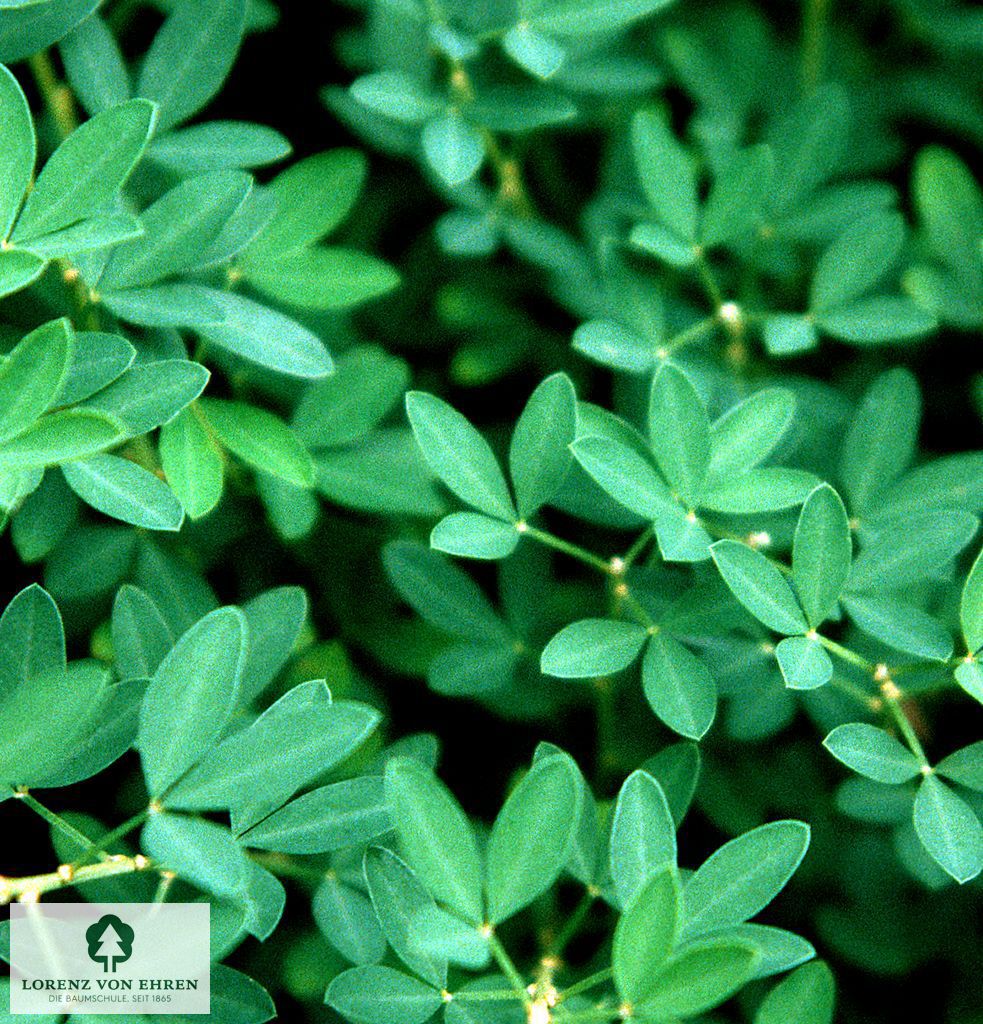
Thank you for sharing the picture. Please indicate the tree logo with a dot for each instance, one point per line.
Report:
(110, 942)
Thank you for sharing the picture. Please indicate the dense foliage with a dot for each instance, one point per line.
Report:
(572, 442)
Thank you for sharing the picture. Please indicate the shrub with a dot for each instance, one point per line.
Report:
(626, 397)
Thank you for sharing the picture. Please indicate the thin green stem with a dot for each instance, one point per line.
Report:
(598, 1015)
(709, 282)
(815, 29)
(484, 995)
(845, 653)
(641, 542)
(573, 550)
(508, 968)
(100, 846)
(585, 984)
(31, 888)
(852, 690)
(896, 711)
(56, 95)
(692, 333)
(573, 922)
(58, 822)
(284, 867)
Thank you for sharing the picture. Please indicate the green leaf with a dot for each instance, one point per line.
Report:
(583, 17)
(59, 437)
(459, 455)
(395, 94)
(698, 978)
(666, 173)
(94, 66)
(474, 535)
(876, 320)
(532, 837)
(643, 835)
(821, 553)
(677, 770)
(26, 30)
(453, 148)
(436, 837)
(768, 489)
(779, 950)
(539, 457)
(17, 150)
(735, 203)
(788, 335)
(149, 395)
(199, 852)
(122, 489)
(365, 386)
(951, 211)
(900, 626)
(969, 675)
(33, 375)
(218, 145)
(265, 337)
(611, 344)
(749, 431)
(165, 305)
(47, 718)
(44, 518)
(87, 170)
(857, 260)
(177, 228)
(441, 593)
(141, 638)
(345, 917)
(538, 54)
(237, 999)
(678, 687)
(804, 997)
(334, 817)
(592, 647)
(32, 639)
(920, 547)
(663, 244)
(190, 697)
(645, 935)
(873, 753)
(384, 473)
(322, 278)
(257, 769)
(312, 198)
(97, 361)
(964, 766)
(949, 830)
(438, 933)
(192, 463)
(18, 269)
(759, 586)
(260, 439)
(680, 432)
(191, 56)
(397, 896)
(101, 231)
(804, 663)
(971, 607)
(627, 476)
(380, 995)
(744, 876)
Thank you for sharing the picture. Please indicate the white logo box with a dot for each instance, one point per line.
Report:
(126, 958)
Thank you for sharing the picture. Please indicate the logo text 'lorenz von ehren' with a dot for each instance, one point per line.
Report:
(110, 958)
(110, 942)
